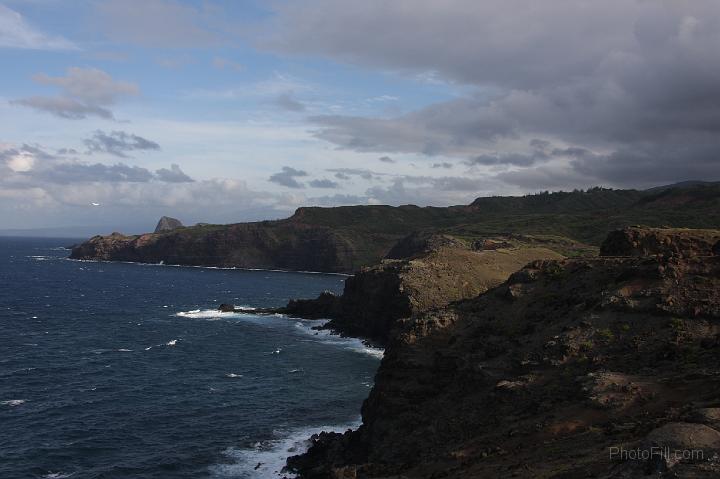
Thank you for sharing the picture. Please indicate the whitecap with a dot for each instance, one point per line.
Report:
(172, 342)
(13, 402)
(233, 375)
(266, 459)
(123, 350)
(204, 314)
(329, 337)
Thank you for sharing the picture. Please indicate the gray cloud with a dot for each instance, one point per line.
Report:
(287, 177)
(323, 183)
(64, 107)
(84, 92)
(386, 159)
(347, 173)
(30, 166)
(287, 101)
(173, 175)
(68, 173)
(118, 143)
(443, 164)
(636, 82)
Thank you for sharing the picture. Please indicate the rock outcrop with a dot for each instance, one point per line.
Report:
(166, 224)
(643, 241)
(569, 369)
(435, 271)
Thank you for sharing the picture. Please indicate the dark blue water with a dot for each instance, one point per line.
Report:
(121, 370)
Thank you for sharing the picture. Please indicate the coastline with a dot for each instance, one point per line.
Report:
(228, 268)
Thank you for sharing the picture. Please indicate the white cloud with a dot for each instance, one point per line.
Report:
(15, 32)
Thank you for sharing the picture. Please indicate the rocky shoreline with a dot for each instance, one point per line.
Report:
(551, 372)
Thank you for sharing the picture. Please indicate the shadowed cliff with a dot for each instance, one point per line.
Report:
(549, 373)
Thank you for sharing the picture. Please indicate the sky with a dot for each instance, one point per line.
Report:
(116, 112)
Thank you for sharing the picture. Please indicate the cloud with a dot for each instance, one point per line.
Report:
(323, 183)
(443, 164)
(84, 92)
(636, 83)
(15, 32)
(173, 175)
(31, 166)
(386, 159)
(44, 190)
(64, 107)
(286, 101)
(287, 177)
(71, 173)
(347, 173)
(158, 23)
(118, 143)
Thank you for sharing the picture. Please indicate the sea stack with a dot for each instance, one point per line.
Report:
(167, 223)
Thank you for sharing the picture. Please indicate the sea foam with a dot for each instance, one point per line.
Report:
(266, 459)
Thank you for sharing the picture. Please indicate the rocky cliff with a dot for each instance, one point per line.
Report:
(250, 245)
(424, 274)
(571, 368)
(344, 239)
(167, 223)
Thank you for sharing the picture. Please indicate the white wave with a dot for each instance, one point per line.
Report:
(56, 475)
(233, 375)
(328, 337)
(13, 402)
(205, 314)
(41, 258)
(123, 350)
(266, 460)
(172, 342)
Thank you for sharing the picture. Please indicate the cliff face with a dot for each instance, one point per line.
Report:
(251, 245)
(344, 239)
(550, 374)
(438, 272)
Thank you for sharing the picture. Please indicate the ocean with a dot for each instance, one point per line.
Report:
(116, 370)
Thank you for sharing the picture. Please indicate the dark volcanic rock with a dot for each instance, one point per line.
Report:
(543, 375)
(375, 298)
(167, 224)
(641, 241)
